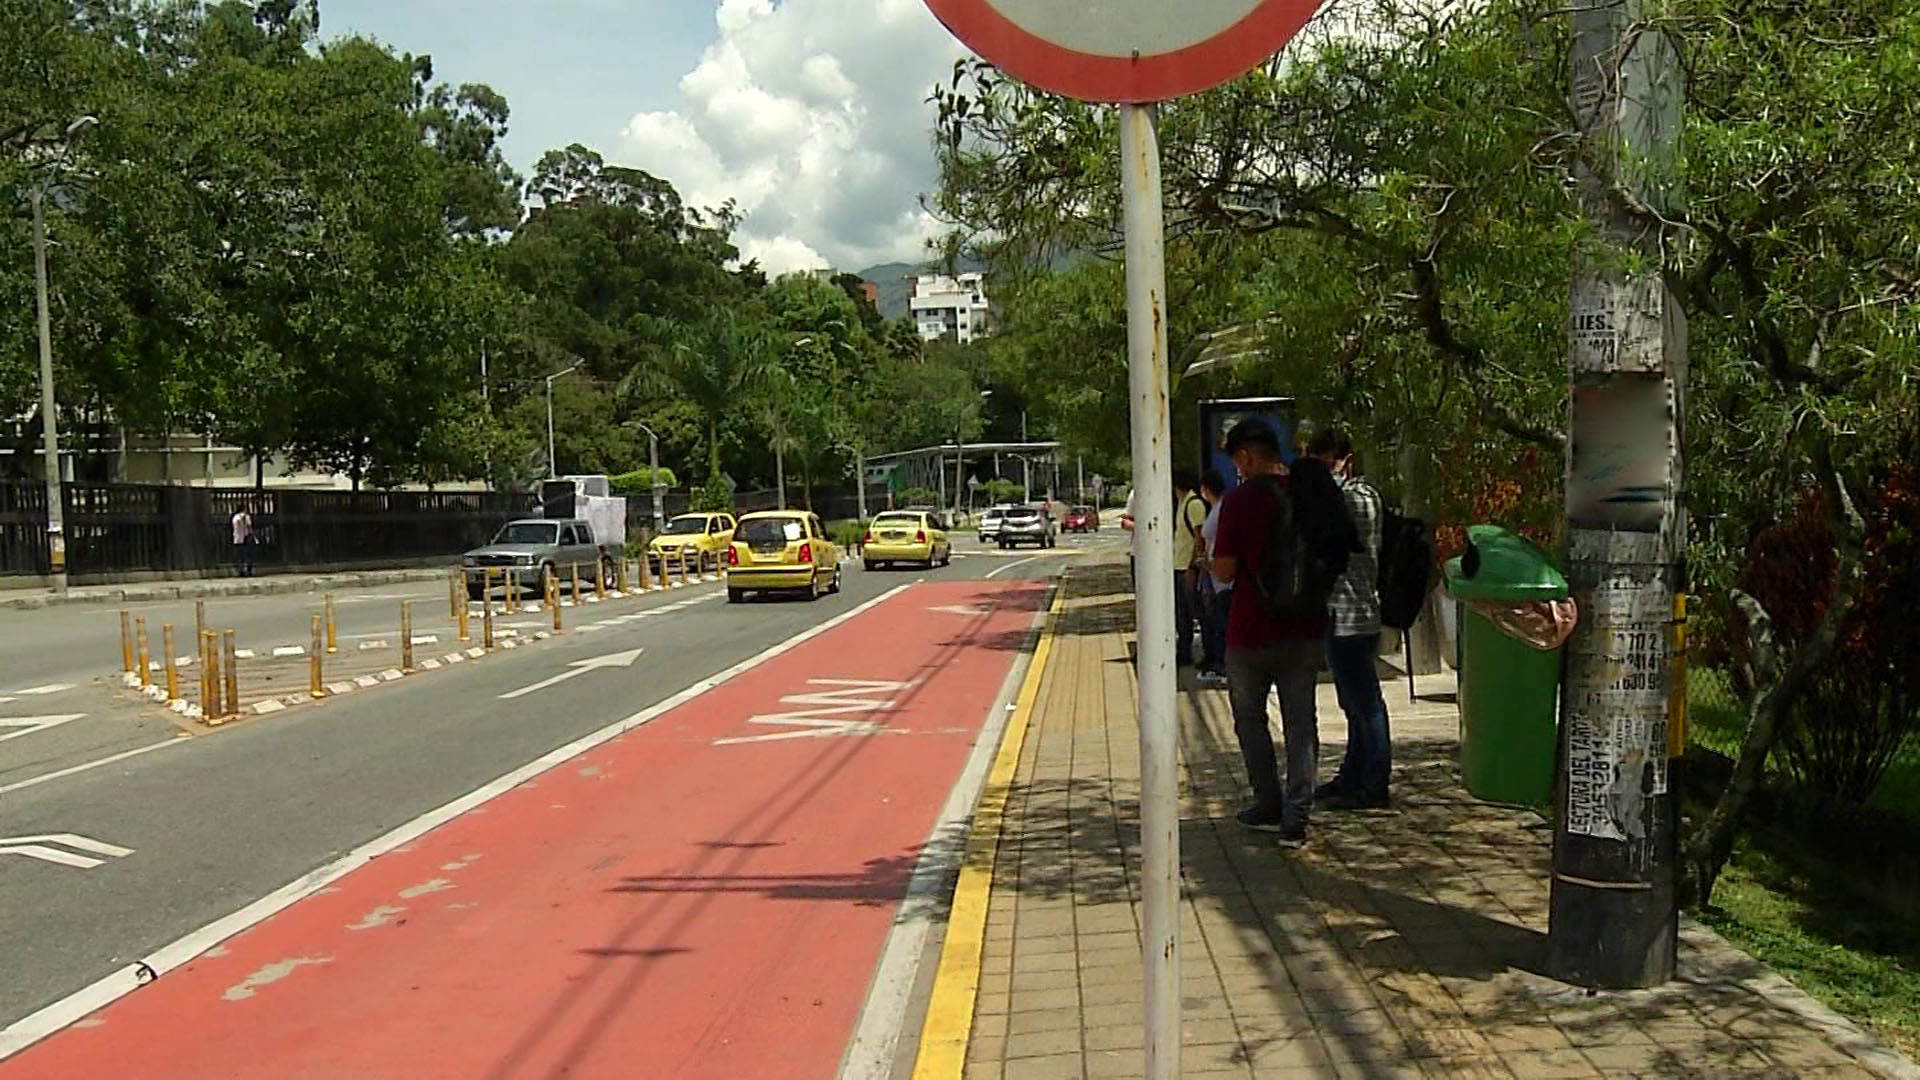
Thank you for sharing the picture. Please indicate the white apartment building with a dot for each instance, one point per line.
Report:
(950, 307)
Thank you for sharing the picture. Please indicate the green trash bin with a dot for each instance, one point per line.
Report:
(1509, 690)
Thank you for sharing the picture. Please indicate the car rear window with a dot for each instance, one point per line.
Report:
(1023, 515)
(897, 521)
(526, 532)
(770, 531)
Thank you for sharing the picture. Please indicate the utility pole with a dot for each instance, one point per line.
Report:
(552, 469)
(653, 472)
(1026, 462)
(1614, 919)
(49, 420)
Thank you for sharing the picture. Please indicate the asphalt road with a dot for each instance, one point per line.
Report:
(215, 821)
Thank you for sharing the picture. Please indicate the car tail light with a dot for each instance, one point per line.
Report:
(733, 557)
(806, 553)
(920, 537)
(870, 537)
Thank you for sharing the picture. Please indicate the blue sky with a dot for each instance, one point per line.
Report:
(572, 70)
(809, 114)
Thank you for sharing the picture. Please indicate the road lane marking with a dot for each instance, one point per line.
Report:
(43, 847)
(577, 668)
(104, 991)
(37, 691)
(816, 721)
(30, 724)
(997, 571)
(22, 785)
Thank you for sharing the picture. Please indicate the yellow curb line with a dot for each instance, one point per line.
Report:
(956, 983)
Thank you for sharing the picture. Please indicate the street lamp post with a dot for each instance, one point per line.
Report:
(653, 471)
(552, 469)
(1026, 463)
(49, 424)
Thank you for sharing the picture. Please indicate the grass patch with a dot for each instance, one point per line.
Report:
(1790, 902)
(1864, 967)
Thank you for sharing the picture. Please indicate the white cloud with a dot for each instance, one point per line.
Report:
(812, 116)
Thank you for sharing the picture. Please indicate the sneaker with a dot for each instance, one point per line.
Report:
(1292, 839)
(1260, 820)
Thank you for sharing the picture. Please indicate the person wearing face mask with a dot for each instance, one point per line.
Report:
(1353, 640)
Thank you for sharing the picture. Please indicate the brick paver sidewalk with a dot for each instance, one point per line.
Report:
(1396, 944)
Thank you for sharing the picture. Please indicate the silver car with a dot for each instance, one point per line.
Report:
(1026, 525)
(524, 552)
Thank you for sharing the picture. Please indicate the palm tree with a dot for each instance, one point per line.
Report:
(716, 365)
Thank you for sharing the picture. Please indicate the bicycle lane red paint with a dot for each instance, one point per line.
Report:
(666, 905)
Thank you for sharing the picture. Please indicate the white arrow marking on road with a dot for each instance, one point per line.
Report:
(30, 724)
(816, 722)
(579, 667)
(35, 847)
(962, 609)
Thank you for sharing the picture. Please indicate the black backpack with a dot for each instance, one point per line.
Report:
(1406, 568)
(1306, 552)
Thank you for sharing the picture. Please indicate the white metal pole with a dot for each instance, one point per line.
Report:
(49, 419)
(653, 468)
(1026, 462)
(550, 464)
(860, 481)
(1153, 554)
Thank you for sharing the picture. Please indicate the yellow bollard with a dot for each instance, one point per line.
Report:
(486, 624)
(333, 633)
(126, 641)
(486, 588)
(199, 618)
(232, 695)
(210, 710)
(316, 674)
(456, 593)
(460, 620)
(202, 645)
(146, 659)
(646, 572)
(173, 672)
(553, 601)
(620, 577)
(510, 592)
(406, 635)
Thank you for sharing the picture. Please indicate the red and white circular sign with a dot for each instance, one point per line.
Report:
(1125, 50)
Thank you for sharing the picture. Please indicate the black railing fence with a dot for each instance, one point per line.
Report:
(114, 529)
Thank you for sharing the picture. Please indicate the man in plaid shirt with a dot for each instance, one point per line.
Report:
(1353, 640)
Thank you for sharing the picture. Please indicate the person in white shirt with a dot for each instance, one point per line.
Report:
(244, 542)
(1216, 596)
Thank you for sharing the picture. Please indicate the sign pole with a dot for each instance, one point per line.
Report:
(1153, 587)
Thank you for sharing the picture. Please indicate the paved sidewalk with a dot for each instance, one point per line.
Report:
(1396, 944)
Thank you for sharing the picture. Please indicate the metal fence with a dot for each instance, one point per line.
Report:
(114, 529)
(118, 529)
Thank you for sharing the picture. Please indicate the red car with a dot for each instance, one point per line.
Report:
(1081, 519)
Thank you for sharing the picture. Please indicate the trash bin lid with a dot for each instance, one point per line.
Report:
(1500, 565)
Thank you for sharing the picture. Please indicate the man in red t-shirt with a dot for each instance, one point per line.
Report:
(1264, 651)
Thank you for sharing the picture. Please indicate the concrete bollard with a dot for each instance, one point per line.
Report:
(146, 658)
(126, 641)
(333, 633)
(316, 674)
(173, 672)
(231, 699)
(406, 635)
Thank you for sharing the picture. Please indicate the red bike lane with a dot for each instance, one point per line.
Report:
(704, 896)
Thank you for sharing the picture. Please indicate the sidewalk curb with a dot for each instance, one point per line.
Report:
(223, 587)
(948, 1025)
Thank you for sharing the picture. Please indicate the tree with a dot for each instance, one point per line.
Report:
(1409, 187)
(716, 365)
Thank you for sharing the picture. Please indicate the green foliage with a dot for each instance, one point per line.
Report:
(1001, 491)
(715, 495)
(919, 496)
(640, 482)
(847, 533)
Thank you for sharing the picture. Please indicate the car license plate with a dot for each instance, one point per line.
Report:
(894, 536)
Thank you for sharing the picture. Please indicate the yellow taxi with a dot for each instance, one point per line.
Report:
(913, 536)
(701, 539)
(782, 551)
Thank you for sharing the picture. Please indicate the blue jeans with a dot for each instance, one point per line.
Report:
(1369, 759)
